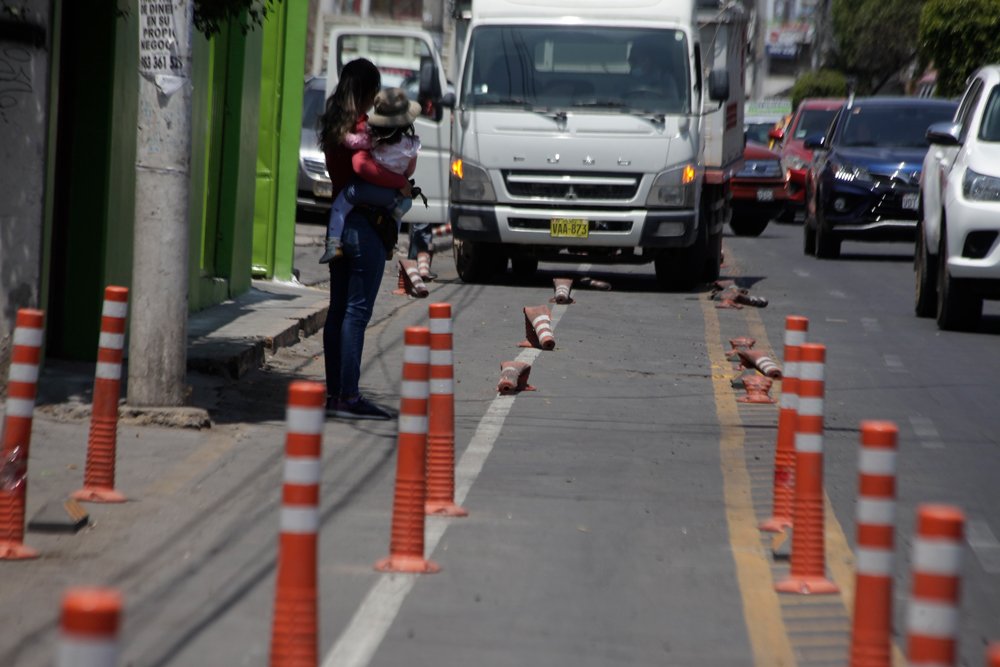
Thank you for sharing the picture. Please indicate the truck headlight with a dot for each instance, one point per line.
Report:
(470, 183)
(674, 188)
(979, 187)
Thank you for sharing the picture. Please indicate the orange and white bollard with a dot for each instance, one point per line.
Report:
(294, 638)
(871, 645)
(932, 618)
(441, 230)
(441, 417)
(538, 328)
(99, 474)
(89, 628)
(424, 265)
(406, 543)
(410, 281)
(760, 361)
(514, 377)
(562, 286)
(796, 328)
(808, 568)
(22, 387)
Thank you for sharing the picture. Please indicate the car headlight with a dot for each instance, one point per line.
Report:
(674, 188)
(794, 162)
(849, 173)
(470, 182)
(979, 187)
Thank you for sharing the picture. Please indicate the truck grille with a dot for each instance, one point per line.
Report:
(315, 167)
(571, 186)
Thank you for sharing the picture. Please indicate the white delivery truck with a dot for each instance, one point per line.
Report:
(597, 131)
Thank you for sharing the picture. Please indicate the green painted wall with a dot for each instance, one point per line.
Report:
(278, 150)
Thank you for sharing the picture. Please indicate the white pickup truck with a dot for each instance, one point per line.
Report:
(957, 258)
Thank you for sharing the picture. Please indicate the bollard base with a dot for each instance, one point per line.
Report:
(444, 509)
(807, 586)
(407, 564)
(90, 494)
(59, 516)
(774, 525)
(16, 551)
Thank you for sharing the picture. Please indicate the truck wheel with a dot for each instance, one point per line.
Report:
(523, 268)
(957, 309)
(925, 278)
(681, 269)
(748, 226)
(713, 258)
(476, 262)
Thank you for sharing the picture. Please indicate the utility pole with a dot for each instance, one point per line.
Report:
(760, 66)
(157, 365)
(433, 20)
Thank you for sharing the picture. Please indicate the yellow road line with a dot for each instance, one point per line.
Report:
(761, 610)
(839, 556)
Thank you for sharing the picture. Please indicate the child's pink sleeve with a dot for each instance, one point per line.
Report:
(357, 141)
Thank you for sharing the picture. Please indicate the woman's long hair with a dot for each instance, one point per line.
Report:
(358, 84)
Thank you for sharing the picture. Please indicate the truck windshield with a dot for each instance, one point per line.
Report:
(559, 67)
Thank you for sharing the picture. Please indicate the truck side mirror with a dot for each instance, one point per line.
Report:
(776, 134)
(430, 85)
(718, 85)
(944, 134)
(448, 100)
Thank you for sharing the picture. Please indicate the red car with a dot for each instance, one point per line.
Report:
(813, 116)
(759, 190)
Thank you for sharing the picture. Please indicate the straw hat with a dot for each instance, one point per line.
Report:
(393, 109)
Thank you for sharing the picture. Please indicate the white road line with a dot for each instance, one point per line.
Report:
(837, 294)
(926, 432)
(984, 544)
(801, 273)
(871, 325)
(894, 363)
(363, 635)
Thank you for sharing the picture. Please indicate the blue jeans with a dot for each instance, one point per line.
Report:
(354, 283)
(421, 239)
(358, 192)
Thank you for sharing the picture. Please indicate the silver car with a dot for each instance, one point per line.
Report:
(315, 190)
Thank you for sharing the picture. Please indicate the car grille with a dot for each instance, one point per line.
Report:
(315, 167)
(620, 226)
(571, 186)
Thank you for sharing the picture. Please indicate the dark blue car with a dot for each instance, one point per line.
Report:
(864, 182)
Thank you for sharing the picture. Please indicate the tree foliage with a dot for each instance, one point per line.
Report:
(821, 83)
(875, 38)
(211, 15)
(957, 37)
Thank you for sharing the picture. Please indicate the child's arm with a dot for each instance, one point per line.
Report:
(366, 167)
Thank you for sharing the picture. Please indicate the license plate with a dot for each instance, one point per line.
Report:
(322, 189)
(765, 195)
(569, 228)
(911, 201)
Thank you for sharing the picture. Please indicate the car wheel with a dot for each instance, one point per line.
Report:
(748, 225)
(827, 245)
(476, 262)
(925, 278)
(808, 239)
(957, 309)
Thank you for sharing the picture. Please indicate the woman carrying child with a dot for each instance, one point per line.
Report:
(356, 274)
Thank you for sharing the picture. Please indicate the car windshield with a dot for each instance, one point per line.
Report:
(990, 129)
(559, 67)
(892, 126)
(814, 121)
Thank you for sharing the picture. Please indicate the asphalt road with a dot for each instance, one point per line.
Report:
(612, 511)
